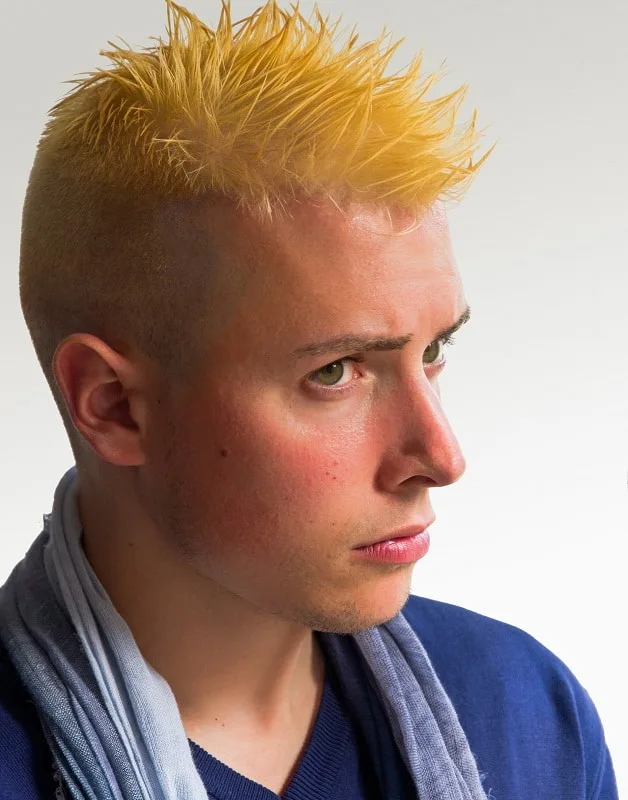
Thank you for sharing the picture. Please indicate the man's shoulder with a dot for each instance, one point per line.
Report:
(474, 652)
(25, 759)
(448, 628)
(515, 698)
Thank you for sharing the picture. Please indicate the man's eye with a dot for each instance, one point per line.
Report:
(332, 372)
(436, 346)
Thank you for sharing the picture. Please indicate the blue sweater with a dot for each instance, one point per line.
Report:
(532, 727)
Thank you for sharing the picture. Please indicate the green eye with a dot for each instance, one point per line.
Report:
(331, 373)
(435, 344)
(432, 352)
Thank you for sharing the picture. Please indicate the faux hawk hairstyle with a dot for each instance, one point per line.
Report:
(262, 111)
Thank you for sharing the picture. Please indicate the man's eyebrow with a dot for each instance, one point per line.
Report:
(364, 344)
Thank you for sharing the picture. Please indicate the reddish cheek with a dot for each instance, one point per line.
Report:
(308, 472)
(287, 478)
(273, 469)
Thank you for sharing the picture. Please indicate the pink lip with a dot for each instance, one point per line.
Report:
(403, 533)
(397, 551)
(399, 547)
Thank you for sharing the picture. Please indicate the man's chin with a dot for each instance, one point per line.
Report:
(352, 617)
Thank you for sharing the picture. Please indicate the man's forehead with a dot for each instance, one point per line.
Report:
(311, 246)
(325, 272)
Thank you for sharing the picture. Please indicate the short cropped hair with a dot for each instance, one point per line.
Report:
(263, 111)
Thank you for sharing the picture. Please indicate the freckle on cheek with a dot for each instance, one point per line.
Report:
(224, 453)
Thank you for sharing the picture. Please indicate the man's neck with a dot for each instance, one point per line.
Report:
(231, 666)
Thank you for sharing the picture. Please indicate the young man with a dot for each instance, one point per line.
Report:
(238, 277)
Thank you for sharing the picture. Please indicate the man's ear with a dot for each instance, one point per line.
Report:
(104, 397)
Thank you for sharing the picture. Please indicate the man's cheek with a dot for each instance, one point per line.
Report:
(305, 476)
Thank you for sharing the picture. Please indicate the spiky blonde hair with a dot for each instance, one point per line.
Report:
(261, 111)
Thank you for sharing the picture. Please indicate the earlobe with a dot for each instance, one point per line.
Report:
(97, 385)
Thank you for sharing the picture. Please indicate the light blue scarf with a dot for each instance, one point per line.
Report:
(112, 721)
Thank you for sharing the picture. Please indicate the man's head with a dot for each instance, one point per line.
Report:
(196, 216)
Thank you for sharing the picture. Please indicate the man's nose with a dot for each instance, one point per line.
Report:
(421, 442)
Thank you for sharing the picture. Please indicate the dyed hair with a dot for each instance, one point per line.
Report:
(262, 111)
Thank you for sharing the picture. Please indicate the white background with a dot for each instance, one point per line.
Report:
(537, 384)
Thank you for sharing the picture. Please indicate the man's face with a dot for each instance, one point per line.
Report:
(276, 466)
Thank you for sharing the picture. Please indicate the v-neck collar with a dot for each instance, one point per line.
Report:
(317, 770)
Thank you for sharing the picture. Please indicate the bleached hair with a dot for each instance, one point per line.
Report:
(262, 110)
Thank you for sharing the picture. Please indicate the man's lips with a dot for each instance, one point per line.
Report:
(401, 533)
